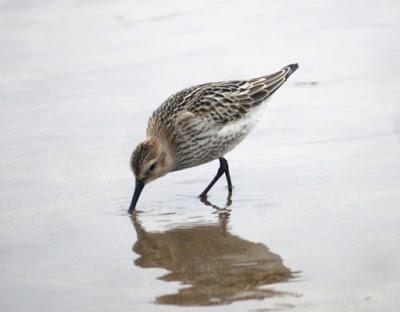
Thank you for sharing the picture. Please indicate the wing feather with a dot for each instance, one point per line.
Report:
(222, 102)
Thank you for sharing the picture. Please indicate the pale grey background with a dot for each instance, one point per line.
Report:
(318, 181)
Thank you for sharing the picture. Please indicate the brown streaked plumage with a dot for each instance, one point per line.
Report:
(201, 124)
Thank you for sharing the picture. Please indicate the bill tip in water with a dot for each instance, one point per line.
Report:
(136, 194)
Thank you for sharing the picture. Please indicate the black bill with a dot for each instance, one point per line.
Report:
(138, 189)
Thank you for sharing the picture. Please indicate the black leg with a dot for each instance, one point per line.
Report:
(223, 168)
(224, 163)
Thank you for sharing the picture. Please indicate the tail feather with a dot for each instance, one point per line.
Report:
(263, 87)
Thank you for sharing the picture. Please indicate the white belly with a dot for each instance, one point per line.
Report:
(234, 132)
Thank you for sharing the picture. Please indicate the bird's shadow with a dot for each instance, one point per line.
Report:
(215, 266)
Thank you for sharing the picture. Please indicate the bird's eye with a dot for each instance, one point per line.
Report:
(152, 167)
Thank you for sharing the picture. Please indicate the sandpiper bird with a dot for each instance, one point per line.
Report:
(201, 124)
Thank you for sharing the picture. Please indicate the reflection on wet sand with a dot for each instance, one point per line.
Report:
(217, 267)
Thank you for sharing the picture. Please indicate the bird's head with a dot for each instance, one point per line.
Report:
(149, 161)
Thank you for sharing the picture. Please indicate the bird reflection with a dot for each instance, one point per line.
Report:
(215, 266)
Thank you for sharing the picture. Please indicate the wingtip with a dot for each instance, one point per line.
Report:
(293, 67)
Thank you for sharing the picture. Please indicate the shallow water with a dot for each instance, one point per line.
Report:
(314, 221)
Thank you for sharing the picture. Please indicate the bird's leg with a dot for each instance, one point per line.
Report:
(220, 172)
(224, 164)
(223, 168)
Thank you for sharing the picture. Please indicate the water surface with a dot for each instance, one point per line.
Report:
(313, 223)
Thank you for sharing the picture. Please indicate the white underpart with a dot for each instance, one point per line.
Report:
(241, 127)
(247, 122)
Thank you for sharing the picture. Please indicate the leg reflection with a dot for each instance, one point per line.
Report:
(223, 212)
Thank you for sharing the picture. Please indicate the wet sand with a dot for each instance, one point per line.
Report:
(314, 221)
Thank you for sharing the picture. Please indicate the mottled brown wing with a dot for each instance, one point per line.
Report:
(222, 102)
